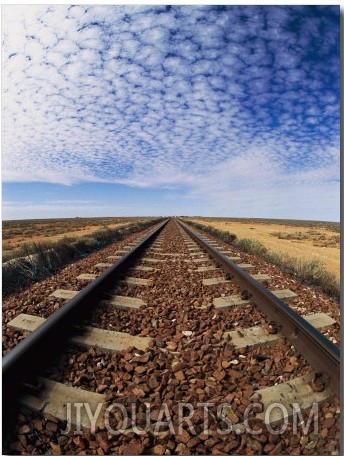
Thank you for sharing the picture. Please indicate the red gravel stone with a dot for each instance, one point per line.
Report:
(133, 448)
(200, 367)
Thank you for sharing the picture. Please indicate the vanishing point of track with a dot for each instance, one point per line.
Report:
(198, 341)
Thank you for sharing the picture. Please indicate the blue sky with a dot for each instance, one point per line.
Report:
(183, 110)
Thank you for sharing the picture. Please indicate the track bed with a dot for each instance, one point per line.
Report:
(175, 358)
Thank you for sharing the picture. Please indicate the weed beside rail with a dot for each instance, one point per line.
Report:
(310, 272)
(41, 260)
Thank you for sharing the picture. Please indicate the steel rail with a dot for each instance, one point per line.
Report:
(39, 347)
(320, 352)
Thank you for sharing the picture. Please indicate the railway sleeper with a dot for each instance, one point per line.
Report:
(53, 397)
(258, 335)
(109, 341)
(226, 302)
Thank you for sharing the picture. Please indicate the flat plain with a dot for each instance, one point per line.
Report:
(15, 233)
(304, 240)
(301, 239)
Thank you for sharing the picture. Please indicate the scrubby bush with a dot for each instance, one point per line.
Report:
(37, 261)
(298, 236)
(86, 244)
(252, 246)
(223, 235)
(310, 272)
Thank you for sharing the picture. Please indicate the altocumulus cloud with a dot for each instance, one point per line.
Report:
(237, 104)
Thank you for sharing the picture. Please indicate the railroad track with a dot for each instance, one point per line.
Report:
(176, 348)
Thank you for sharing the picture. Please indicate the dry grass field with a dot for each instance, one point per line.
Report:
(16, 233)
(35, 249)
(299, 239)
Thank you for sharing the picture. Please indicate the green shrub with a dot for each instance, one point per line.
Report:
(7, 255)
(225, 236)
(86, 244)
(252, 246)
(37, 261)
(293, 236)
(310, 272)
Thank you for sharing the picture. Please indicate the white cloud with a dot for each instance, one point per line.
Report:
(150, 96)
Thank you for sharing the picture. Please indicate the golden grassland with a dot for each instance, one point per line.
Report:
(16, 233)
(44, 247)
(300, 239)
